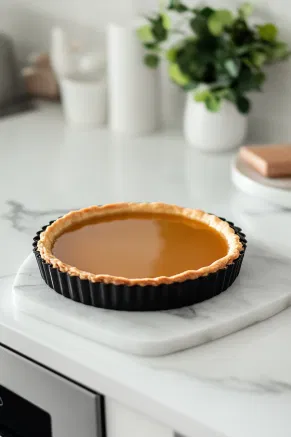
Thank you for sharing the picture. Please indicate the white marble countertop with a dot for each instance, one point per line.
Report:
(238, 386)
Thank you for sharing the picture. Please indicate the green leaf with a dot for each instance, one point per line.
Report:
(231, 96)
(258, 59)
(151, 46)
(206, 12)
(242, 49)
(166, 20)
(245, 10)
(199, 25)
(191, 86)
(196, 69)
(259, 79)
(243, 105)
(145, 34)
(177, 75)
(249, 80)
(279, 51)
(232, 66)
(158, 30)
(213, 103)
(181, 8)
(151, 60)
(247, 48)
(223, 80)
(201, 96)
(219, 20)
(171, 55)
(268, 32)
(215, 26)
(177, 6)
(221, 93)
(242, 33)
(224, 16)
(172, 4)
(247, 62)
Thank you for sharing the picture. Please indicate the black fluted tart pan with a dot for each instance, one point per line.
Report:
(137, 297)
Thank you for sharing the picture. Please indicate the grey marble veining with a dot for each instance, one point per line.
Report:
(11, 275)
(21, 218)
(242, 385)
(271, 211)
(186, 313)
(232, 383)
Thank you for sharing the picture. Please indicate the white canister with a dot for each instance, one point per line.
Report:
(61, 56)
(134, 88)
(84, 100)
(213, 131)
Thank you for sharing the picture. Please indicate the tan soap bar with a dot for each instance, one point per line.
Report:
(273, 161)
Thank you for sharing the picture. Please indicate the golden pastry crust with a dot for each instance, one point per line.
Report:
(52, 232)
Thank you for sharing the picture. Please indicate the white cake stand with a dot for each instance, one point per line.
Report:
(277, 191)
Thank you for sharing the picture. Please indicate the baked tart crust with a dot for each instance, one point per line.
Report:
(53, 231)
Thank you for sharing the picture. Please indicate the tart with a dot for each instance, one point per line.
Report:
(139, 256)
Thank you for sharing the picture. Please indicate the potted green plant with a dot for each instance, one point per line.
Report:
(219, 59)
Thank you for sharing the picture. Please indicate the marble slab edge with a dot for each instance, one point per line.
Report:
(137, 333)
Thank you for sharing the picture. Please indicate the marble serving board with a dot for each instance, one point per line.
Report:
(257, 294)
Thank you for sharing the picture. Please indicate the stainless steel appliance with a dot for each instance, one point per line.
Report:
(36, 402)
(13, 97)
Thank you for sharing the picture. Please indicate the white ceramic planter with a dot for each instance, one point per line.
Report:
(213, 131)
(134, 89)
(84, 100)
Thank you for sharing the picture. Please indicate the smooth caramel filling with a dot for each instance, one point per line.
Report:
(136, 245)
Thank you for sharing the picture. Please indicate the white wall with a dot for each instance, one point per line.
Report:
(29, 22)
